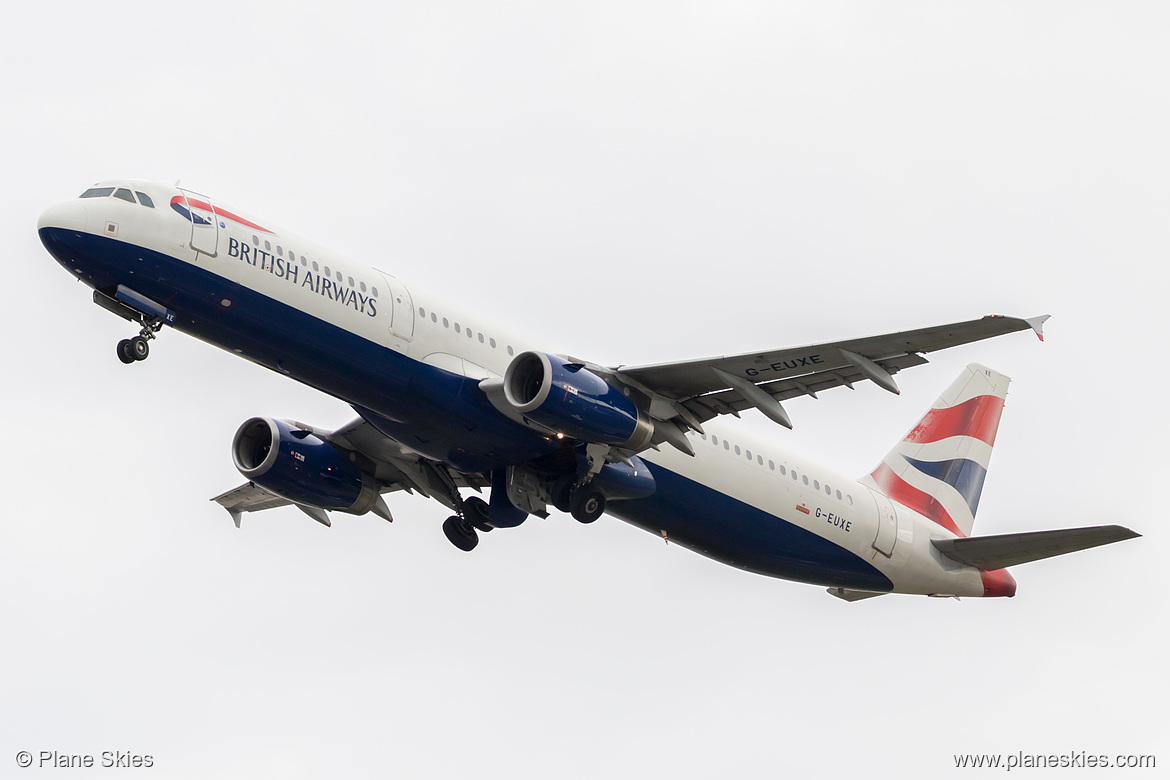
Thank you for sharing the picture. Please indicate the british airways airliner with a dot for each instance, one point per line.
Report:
(449, 404)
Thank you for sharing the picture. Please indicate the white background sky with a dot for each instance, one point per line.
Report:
(635, 183)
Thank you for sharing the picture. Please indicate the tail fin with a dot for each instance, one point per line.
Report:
(939, 467)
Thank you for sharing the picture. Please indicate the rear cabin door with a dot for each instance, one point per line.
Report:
(887, 525)
(401, 308)
(204, 223)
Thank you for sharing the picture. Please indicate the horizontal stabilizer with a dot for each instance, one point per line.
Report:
(998, 552)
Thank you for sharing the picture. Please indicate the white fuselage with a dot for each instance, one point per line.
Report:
(252, 256)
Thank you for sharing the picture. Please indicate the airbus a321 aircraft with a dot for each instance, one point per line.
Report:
(450, 404)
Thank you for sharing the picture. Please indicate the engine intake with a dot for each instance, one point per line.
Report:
(571, 399)
(301, 467)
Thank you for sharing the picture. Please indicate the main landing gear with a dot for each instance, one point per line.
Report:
(461, 530)
(587, 504)
(584, 502)
(138, 348)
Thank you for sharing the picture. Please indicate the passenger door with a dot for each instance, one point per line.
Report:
(204, 223)
(887, 525)
(401, 308)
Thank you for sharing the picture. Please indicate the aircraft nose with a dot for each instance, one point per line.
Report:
(69, 215)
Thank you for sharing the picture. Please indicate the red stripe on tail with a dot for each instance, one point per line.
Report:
(897, 489)
(978, 417)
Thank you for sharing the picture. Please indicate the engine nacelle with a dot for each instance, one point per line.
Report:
(301, 467)
(571, 399)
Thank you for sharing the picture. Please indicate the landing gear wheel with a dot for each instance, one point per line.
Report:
(124, 353)
(587, 504)
(478, 514)
(139, 348)
(460, 533)
(561, 494)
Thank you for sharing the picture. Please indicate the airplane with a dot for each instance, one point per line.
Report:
(450, 405)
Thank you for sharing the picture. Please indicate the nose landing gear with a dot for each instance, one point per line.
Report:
(138, 348)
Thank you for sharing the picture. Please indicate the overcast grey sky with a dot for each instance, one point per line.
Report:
(634, 182)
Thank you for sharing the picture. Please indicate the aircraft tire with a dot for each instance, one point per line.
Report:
(124, 353)
(478, 514)
(463, 537)
(139, 348)
(587, 504)
(562, 494)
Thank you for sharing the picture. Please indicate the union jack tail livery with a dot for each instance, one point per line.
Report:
(939, 467)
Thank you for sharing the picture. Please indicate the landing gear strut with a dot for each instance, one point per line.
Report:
(138, 348)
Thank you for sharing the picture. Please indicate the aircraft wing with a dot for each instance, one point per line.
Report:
(392, 465)
(710, 387)
(248, 498)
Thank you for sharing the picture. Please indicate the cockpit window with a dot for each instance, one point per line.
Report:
(98, 192)
(125, 195)
(144, 199)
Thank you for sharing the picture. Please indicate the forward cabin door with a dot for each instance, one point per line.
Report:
(401, 308)
(204, 223)
(887, 525)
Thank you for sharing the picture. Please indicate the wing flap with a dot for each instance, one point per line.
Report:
(731, 401)
(999, 552)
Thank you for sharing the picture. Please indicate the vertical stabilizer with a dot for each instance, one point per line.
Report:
(939, 467)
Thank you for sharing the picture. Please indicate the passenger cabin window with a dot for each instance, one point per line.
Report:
(144, 199)
(98, 192)
(125, 195)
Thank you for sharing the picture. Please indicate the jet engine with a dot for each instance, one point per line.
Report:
(569, 398)
(301, 467)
